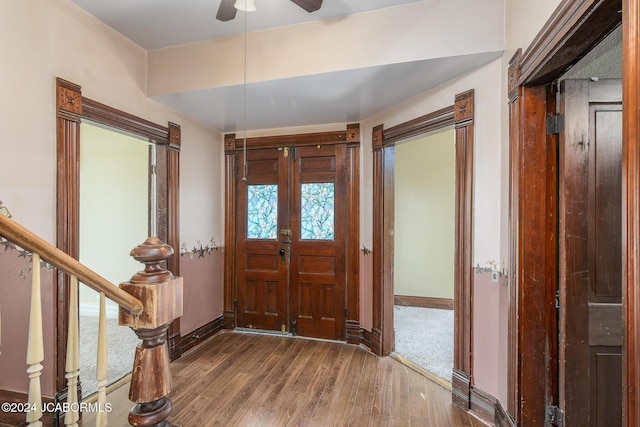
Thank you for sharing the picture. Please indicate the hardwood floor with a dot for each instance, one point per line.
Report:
(240, 379)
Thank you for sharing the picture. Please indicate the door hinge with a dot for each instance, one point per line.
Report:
(294, 152)
(346, 313)
(553, 416)
(235, 303)
(154, 169)
(555, 124)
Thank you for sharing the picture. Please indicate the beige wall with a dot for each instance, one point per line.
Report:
(425, 216)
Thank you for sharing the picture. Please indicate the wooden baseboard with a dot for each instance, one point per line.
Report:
(376, 341)
(229, 319)
(366, 338)
(201, 334)
(502, 418)
(19, 419)
(354, 332)
(482, 404)
(424, 302)
(461, 389)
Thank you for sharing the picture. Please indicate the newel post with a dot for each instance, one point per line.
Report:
(161, 296)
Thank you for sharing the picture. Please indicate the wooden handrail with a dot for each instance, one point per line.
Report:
(14, 232)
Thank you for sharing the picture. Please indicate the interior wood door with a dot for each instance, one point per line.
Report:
(590, 244)
(262, 271)
(318, 224)
(291, 228)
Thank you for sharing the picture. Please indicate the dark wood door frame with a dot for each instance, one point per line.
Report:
(574, 29)
(71, 109)
(461, 116)
(350, 137)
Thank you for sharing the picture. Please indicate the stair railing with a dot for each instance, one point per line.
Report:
(148, 303)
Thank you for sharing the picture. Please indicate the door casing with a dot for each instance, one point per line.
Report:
(71, 109)
(461, 116)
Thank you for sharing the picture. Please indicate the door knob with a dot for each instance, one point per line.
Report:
(282, 254)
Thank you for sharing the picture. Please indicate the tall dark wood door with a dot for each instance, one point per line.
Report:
(590, 262)
(291, 228)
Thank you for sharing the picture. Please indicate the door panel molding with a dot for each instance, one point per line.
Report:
(461, 116)
(71, 109)
(351, 139)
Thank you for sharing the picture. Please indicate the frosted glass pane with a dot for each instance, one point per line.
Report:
(262, 211)
(317, 211)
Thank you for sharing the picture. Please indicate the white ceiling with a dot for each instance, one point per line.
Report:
(336, 97)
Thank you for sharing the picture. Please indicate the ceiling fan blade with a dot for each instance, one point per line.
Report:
(309, 5)
(226, 11)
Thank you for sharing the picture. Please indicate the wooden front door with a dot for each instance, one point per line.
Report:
(291, 231)
(590, 245)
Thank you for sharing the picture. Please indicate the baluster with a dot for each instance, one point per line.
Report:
(101, 366)
(35, 348)
(161, 296)
(72, 367)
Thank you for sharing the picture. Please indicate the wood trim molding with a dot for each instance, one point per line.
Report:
(229, 294)
(299, 140)
(574, 28)
(101, 113)
(71, 109)
(173, 224)
(353, 335)
(502, 418)
(461, 389)
(366, 339)
(419, 126)
(482, 404)
(514, 179)
(631, 212)
(69, 114)
(463, 258)
(535, 266)
(200, 335)
(424, 302)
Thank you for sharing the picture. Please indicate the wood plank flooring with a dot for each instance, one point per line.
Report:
(241, 379)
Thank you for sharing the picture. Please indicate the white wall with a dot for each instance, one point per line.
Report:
(425, 216)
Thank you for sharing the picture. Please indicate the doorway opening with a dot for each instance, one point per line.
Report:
(116, 193)
(424, 240)
(460, 116)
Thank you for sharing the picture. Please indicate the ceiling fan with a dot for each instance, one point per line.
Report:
(227, 11)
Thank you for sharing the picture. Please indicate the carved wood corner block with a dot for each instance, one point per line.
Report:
(514, 74)
(353, 134)
(230, 143)
(175, 135)
(69, 101)
(463, 109)
(377, 138)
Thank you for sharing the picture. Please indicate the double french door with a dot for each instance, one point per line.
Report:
(291, 238)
